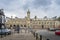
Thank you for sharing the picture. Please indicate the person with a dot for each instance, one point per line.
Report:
(18, 28)
(14, 28)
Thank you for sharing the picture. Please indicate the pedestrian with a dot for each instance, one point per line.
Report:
(14, 28)
(18, 28)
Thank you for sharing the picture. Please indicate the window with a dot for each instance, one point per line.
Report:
(24, 25)
(42, 22)
(47, 22)
(39, 22)
(50, 22)
(21, 25)
(10, 25)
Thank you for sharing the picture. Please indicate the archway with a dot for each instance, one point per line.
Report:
(21, 25)
(14, 26)
(24, 25)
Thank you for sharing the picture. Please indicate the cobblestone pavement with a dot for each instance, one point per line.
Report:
(20, 36)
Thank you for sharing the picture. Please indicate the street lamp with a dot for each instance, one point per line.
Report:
(2, 20)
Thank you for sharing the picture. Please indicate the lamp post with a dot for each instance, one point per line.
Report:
(2, 20)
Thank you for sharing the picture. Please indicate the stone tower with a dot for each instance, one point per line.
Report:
(28, 14)
(28, 18)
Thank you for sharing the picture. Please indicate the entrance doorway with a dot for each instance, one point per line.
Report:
(42, 26)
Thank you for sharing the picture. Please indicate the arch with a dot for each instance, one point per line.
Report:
(21, 25)
(24, 25)
(10, 25)
(14, 26)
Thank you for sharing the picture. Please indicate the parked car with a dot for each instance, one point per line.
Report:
(52, 29)
(57, 28)
(57, 32)
(5, 31)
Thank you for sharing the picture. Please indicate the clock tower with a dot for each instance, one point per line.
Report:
(28, 14)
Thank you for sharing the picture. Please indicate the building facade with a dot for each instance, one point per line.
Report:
(31, 22)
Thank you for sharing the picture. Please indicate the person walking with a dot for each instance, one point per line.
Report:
(14, 28)
(18, 28)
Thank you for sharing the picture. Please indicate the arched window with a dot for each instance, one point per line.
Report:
(21, 25)
(10, 25)
(24, 25)
(14, 26)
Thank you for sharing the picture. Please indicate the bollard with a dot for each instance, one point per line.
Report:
(47, 39)
(5, 34)
(40, 37)
(25, 30)
(31, 32)
(18, 32)
(21, 30)
(1, 36)
(28, 30)
(36, 36)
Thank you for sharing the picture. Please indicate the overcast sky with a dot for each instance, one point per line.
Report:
(39, 8)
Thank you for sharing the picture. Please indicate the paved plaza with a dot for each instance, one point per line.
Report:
(19, 36)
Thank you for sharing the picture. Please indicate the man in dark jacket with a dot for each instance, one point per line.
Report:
(18, 28)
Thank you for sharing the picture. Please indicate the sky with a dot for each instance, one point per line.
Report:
(39, 8)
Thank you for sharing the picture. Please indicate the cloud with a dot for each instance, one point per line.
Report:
(38, 3)
(40, 8)
(53, 9)
(57, 2)
(37, 12)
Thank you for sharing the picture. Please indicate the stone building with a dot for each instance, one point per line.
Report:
(32, 22)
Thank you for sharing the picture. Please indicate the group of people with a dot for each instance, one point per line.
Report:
(16, 28)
